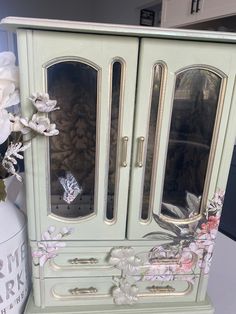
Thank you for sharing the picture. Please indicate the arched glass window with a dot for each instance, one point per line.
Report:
(195, 104)
(73, 152)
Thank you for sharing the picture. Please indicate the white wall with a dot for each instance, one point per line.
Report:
(221, 288)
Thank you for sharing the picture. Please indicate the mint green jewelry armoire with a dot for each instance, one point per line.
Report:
(124, 203)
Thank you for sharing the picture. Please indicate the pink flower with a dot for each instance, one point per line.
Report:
(212, 223)
(187, 261)
(46, 251)
(50, 244)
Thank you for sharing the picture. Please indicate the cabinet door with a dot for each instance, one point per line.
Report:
(211, 9)
(178, 12)
(183, 104)
(79, 179)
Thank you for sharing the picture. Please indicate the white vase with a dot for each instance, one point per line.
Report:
(16, 191)
(14, 270)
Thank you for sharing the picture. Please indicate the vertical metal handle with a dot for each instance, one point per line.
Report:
(124, 151)
(192, 6)
(198, 6)
(139, 159)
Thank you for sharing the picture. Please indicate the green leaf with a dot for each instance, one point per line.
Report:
(3, 193)
(174, 210)
(167, 225)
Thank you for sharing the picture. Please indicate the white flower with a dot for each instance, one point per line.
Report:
(125, 293)
(39, 124)
(65, 231)
(42, 102)
(5, 125)
(124, 259)
(8, 69)
(51, 229)
(9, 80)
(9, 160)
(16, 125)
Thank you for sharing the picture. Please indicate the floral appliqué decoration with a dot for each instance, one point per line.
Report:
(39, 123)
(196, 238)
(184, 248)
(50, 244)
(124, 292)
(13, 125)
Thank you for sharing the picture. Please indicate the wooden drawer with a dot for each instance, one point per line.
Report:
(77, 261)
(109, 290)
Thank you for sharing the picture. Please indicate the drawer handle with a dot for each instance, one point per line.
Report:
(164, 261)
(139, 160)
(78, 291)
(192, 6)
(83, 261)
(198, 6)
(158, 289)
(124, 151)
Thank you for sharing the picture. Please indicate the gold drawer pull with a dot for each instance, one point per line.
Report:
(164, 261)
(83, 261)
(158, 289)
(78, 291)
(139, 159)
(124, 151)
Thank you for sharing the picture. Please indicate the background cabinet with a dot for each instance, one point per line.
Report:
(177, 13)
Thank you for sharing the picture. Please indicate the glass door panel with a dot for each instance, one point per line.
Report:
(158, 74)
(192, 123)
(116, 98)
(73, 152)
(182, 150)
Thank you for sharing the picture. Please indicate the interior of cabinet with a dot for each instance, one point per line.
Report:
(75, 85)
(73, 154)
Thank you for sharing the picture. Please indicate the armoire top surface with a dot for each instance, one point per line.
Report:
(13, 23)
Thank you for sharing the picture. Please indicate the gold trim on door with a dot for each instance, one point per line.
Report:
(213, 144)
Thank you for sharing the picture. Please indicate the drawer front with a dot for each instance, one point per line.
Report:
(111, 290)
(77, 261)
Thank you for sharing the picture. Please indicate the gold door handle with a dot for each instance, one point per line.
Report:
(83, 261)
(164, 261)
(124, 151)
(78, 291)
(139, 159)
(159, 289)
